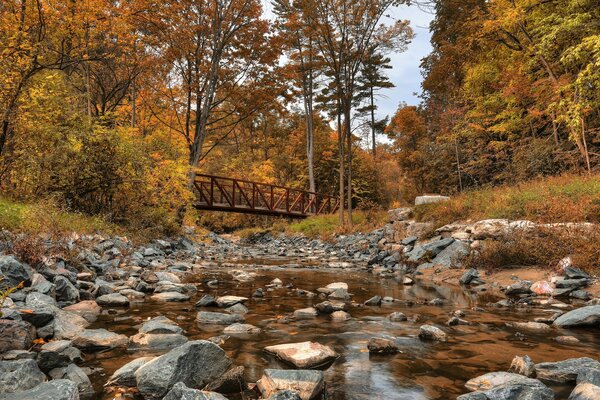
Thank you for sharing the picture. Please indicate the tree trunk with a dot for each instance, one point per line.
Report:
(373, 125)
(348, 132)
(586, 153)
(341, 164)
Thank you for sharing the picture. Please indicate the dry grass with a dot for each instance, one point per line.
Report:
(558, 199)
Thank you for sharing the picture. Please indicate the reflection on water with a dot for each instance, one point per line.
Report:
(421, 371)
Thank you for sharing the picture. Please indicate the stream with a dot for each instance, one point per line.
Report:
(422, 370)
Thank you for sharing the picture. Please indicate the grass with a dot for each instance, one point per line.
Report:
(557, 199)
(46, 217)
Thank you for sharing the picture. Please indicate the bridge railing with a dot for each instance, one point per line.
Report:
(239, 195)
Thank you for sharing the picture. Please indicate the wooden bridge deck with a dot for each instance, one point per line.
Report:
(217, 193)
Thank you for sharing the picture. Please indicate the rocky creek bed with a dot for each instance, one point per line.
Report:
(288, 318)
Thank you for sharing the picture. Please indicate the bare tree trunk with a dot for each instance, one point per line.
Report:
(348, 133)
(341, 164)
(133, 99)
(460, 186)
(554, 128)
(373, 125)
(586, 153)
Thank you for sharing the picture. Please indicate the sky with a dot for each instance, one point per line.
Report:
(405, 73)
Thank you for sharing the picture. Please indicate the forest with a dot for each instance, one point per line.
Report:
(110, 108)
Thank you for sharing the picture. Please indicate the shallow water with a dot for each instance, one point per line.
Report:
(423, 370)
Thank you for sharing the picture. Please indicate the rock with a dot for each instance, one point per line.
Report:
(429, 199)
(206, 301)
(258, 293)
(397, 317)
(15, 335)
(575, 273)
(228, 301)
(429, 250)
(238, 308)
(567, 339)
(160, 325)
(214, 318)
(534, 390)
(407, 280)
(13, 355)
(522, 366)
(19, 375)
(585, 391)
(373, 301)
(14, 272)
(468, 276)
(59, 389)
(58, 354)
(337, 285)
(132, 294)
(580, 294)
(307, 383)
(382, 346)
(303, 355)
(453, 254)
(231, 382)
(531, 326)
(66, 325)
(181, 392)
(542, 288)
(75, 374)
(156, 341)
(339, 316)
(88, 309)
(125, 376)
(35, 299)
(521, 287)
(584, 316)
(195, 363)
(339, 294)
(571, 283)
(170, 296)
(99, 339)
(306, 313)
(113, 300)
(430, 332)
(167, 277)
(65, 291)
(454, 321)
(285, 395)
(565, 371)
(241, 329)
(399, 214)
(493, 379)
(589, 375)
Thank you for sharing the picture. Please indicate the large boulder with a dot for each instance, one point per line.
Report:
(59, 389)
(584, 316)
(14, 272)
(232, 381)
(566, 370)
(15, 335)
(125, 376)
(430, 199)
(535, 390)
(19, 375)
(430, 249)
(304, 355)
(195, 363)
(156, 341)
(181, 392)
(67, 325)
(65, 291)
(493, 379)
(75, 374)
(57, 354)
(87, 309)
(585, 391)
(307, 383)
(453, 254)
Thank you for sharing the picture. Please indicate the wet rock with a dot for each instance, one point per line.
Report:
(565, 371)
(469, 276)
(455, 321)
(306, 313)
(258, 293)
(521, 287)
(214, 318)
(14, 272)
(99, 339)
(493, 379)
(373, 301)
(584, 316)
(19, 375)
(195, 363)
(13, 355)
(241, 329)
(160, 325)
(15, 335)
(170, 296)
(567, 339)
(206, 301)
(585, 391)
(337, 285)
(88, 309)
(575, 273)
(304, 355)
(65, 291)
(307, 383)
(113, 300)
(580, 295)
(132, 294)
(57, 354)
(167, 277)
(530, 326)
(534, 390)
(397, 317)
(76, 375)
(156, 341)
(67, 325)
(125, 376)
(59, 389)
(436, 302)
(382, 346)
(285, 395)
(522, 366)
(542, 288)
(181, 392)
(430, 332)
(231, 381)
(340, 316)
(238, 308)
(339, 294)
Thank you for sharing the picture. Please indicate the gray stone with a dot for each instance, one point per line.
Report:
(430, 199)
(66, 325)
(57, 354)
(170, 296)
(87, 309)
(156, 341)
(571, 283)
(584, 316)
(306, 313)
(181, 392)
(397, 317)
(591, 375)
(112, 300)
(285, 395)
(453, 254)
(14, 272)
(15, 335)
(535, 390)
(373, 301)
(303, 355)
(75, 374)
(238, 308)
(60, 389)
(575, 273)
(228, 301)
(160, 325)
(206, 301)
(521, 287)
(241, 329)
(399, 214)
(195, 363)
(585, 391)
(430, 249)
(19, 375)
(523, 366)
(493, 379)
(231, 381)
(468, 276)
(340, 316)
(125, 376)
(382, 346)
(566, 370)
(65, 291)
(99, 339)
(430, 332)
(307, 383)
(214, 318)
